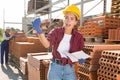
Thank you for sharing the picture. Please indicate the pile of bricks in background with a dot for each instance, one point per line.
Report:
(99, 26)
(38, 65)
(21, 45)
(19, 37)
(90, 29)
(115, 9)
(109, 65)
(88, 70)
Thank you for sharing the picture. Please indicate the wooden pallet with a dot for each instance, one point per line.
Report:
(108, 41)
(94, 39)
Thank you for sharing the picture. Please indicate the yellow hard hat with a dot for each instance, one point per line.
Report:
(72, 8)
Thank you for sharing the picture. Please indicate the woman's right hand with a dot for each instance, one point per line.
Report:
(36, 24)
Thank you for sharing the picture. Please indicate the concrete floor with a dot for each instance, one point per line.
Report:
(9, 71)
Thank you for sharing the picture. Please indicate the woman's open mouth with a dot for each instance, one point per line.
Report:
(67, 25)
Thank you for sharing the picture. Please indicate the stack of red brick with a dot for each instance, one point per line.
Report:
(114, 34)
(109, 65)
(91, 29)
(99, 26)
(20, 46)
(88, 70)
(38, 65)
(35, 66)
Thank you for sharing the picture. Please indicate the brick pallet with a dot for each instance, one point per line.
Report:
(94, 39)
(92, 65)
(20, 46)
(100, 25)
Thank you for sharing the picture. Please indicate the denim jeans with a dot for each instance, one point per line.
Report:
(4, 51)
(59, 72)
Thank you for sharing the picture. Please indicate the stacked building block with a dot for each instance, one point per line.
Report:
(115, 9)
(109, 65)
(88, 70)
(38, 65)
(19, 37)
(114, 34)
(20, 46)
(91, 29)
(99, 25)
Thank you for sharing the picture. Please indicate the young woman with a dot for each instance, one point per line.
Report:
(62, 40)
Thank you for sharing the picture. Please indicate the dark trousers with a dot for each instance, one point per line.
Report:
(4, 51)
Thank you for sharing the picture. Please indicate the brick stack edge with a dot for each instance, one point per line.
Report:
(23, 65)
(88, 70)
(109, 65)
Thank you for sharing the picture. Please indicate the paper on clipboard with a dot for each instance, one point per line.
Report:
(77, 55)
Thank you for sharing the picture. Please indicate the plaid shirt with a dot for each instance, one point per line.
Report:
(76, 43)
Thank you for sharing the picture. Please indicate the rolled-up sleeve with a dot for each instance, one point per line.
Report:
(52, 37)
